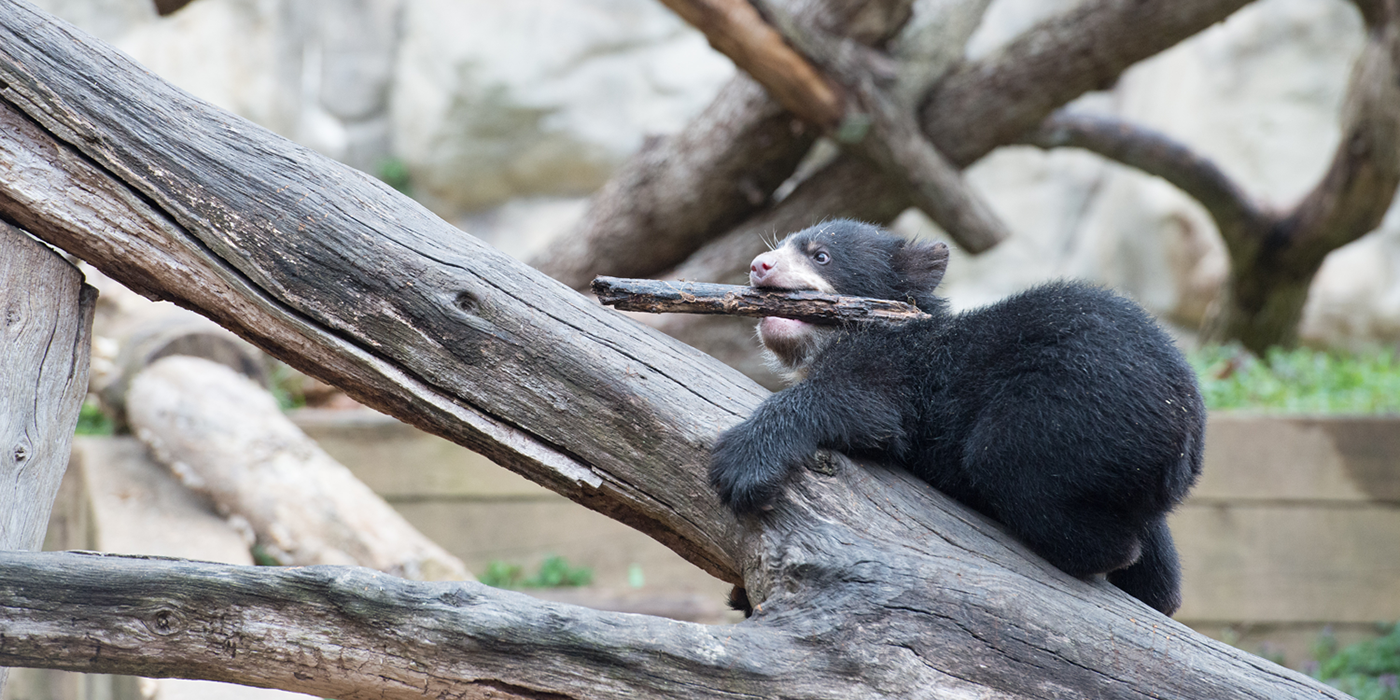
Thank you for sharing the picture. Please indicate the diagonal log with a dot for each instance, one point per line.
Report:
(324, 267)
(736, 30)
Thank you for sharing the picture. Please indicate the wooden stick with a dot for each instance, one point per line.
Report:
(668, 296)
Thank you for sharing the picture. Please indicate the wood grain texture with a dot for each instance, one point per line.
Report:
(869, 583)
(735, 29)
(665, 296)
(45, 339)
(45, 336)
(325, 267)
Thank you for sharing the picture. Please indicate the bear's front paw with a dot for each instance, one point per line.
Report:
(744, 483)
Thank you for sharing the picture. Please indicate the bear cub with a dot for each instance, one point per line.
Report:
(1062, 412)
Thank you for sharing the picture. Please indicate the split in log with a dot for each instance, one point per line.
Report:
(665, 296)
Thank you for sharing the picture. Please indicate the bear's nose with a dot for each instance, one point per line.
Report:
(761, 267)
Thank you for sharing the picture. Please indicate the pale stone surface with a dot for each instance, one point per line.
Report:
(541, 97)
(483, 101)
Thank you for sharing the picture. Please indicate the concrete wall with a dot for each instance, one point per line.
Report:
(1294, 528)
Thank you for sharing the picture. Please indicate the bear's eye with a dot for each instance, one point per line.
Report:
(821, 257)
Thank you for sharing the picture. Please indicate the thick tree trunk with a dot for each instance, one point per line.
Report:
(869, 583)
(1275, 252)
(45, 332)
(683, 190)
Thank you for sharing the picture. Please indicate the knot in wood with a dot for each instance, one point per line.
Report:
(467, 302)
(165, 622)
(456, 598)
(822, 463)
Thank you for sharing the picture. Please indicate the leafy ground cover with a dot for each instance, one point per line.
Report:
(1299, 381)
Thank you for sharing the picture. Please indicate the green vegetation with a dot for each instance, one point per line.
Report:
(394, 173)
(287, 386)
(555, 572)
(1298, 381)
(92, 421)
(261, 557)
(1367, 670)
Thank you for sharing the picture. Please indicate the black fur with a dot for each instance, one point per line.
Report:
(1062, 412)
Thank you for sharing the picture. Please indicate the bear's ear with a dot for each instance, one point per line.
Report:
(921, 265)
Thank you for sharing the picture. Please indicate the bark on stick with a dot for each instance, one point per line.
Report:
(667, 296)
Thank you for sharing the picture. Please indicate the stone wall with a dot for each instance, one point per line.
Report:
(505, 114)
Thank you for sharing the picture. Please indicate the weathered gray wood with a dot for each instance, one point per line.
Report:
(335, 631)
(225, 437)
(45, 330)
(870, 584)
(666, 296)
(45, 339)
(326, 268)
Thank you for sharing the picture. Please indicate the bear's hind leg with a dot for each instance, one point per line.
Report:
(1155, 578)
(1078, 541)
